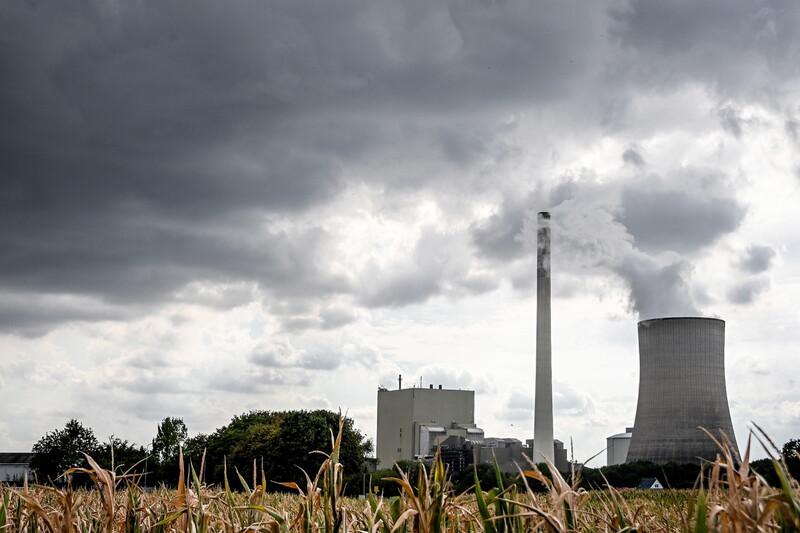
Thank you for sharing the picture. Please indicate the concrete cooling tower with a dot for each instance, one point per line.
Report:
(681, 388)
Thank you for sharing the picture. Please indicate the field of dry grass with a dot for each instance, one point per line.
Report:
(732, 499)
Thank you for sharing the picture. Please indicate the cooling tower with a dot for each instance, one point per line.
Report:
(543, 401)
(681, 388)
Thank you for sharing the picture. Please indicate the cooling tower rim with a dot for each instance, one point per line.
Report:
(651, 321)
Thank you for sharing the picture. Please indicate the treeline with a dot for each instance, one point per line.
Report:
(277, 444)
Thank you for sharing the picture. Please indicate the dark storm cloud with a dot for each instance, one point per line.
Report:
(34, 315)
(756, 261)
(731, 121)
(142, 143)
(629, 228)
(149, 149)
(758, 258)
(793, 130)
(684, 211)
(499, 235)
(710, 42)
(645, 230)
(125, 260)
(633, 157)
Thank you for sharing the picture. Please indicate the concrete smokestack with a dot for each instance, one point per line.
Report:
(543, 403)
(681, 388)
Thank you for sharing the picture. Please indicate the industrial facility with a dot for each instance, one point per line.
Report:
(414, 423)
(681, 388)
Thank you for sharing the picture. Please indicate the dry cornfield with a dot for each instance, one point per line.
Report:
(730, 498)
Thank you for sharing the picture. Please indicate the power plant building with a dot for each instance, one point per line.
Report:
(681, 388)
(413, 422)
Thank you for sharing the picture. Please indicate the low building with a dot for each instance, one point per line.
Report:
(650, 483)
(559, 455)
(511, 456)
(15, 466)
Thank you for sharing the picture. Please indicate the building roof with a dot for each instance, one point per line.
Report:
(625, 435)
(16, 458)
(647, 482)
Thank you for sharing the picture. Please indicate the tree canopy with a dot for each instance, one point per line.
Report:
(62, 449)
(170, 436)
(282, 443)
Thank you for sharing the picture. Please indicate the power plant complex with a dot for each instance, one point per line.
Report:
(681, 389)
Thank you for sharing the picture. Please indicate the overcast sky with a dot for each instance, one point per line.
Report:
(211, 207)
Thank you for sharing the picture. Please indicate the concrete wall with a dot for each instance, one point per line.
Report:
(681, 387)
(402, 412)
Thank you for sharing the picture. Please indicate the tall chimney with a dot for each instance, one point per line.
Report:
(543, 403)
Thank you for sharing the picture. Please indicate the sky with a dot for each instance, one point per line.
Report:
(213, 207)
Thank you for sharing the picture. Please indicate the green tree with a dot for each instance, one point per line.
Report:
(193, 451)
(122, 457)
(790, 453)
(228, 445)
(303, 432)
(284, 442)
(170, 436)
(766, 469)
(60, 450)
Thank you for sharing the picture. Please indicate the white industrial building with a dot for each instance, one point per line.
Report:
(413, 421)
